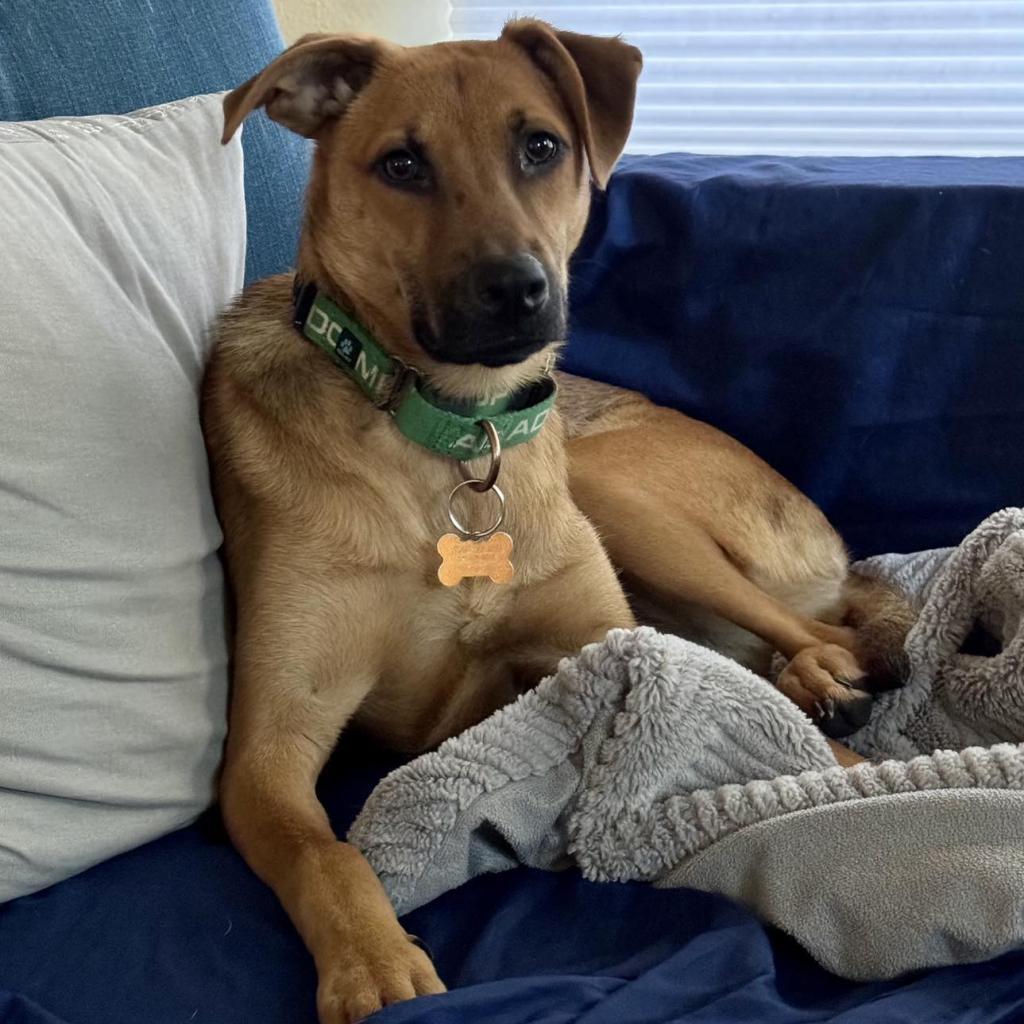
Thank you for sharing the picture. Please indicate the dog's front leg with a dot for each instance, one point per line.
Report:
(303, 666)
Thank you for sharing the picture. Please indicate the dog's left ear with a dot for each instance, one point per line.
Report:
(596, 77)
(309, 85)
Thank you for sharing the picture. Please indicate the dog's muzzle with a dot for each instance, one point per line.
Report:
(500, 312)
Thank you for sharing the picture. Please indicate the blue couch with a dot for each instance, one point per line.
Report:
(860, 323)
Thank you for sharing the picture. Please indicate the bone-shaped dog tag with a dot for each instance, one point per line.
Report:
(465, 558)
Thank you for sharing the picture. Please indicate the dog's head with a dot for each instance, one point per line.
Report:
(451, 184)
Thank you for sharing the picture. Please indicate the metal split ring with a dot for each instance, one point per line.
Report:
(480, 486)
(476, 534)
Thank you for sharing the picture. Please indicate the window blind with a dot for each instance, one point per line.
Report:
(805, 77)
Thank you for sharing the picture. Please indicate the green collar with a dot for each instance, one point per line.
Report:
(444, 427)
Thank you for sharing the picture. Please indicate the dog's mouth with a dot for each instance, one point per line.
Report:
(492, 352)
(463, 339)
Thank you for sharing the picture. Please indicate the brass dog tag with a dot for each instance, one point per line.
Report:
(461, 559)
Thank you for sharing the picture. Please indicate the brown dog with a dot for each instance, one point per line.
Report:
(449, 188)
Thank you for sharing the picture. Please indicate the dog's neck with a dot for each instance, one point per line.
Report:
(460, 383)
(456, 428)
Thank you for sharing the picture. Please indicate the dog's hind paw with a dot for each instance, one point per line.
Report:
(826, 682)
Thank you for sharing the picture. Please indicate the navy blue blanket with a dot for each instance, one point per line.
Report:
(858, 322)
(181, 931)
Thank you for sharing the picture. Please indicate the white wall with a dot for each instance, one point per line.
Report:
(403, 21)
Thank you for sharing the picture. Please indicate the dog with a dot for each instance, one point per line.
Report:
(450, 185)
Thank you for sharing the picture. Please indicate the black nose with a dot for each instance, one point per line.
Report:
(513, 287)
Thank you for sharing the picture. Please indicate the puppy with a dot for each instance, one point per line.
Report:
(450, 185)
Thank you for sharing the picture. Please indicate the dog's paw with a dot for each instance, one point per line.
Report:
(363, 983)
(826, 683)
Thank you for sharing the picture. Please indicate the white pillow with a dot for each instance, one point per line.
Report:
(122, 237)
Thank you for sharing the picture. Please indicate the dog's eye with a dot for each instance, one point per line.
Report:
(403, 167)
(541, 147)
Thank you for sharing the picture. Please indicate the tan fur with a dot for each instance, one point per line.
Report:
(332, 518)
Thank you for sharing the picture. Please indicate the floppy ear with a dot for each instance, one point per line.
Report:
(596, 77)
(309, 84)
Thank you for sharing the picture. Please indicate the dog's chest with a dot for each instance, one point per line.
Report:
(466, 618)
(396, 517)
(457, 597)
(486, 580)
(424, 500)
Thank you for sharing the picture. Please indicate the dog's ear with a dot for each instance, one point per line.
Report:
(308, 85)
(596, 77)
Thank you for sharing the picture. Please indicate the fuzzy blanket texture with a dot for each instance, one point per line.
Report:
(650, 758)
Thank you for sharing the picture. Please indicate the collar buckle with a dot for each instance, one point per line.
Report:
(403, 379)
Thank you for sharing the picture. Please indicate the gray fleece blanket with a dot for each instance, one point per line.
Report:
(647, 757)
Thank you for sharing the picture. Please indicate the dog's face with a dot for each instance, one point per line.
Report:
(451, 182)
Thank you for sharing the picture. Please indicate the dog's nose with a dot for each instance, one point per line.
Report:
(513, 287)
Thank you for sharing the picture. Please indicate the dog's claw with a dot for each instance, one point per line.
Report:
(819, 711)
(420, 944)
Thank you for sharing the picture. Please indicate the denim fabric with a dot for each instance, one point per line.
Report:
(74, 57)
